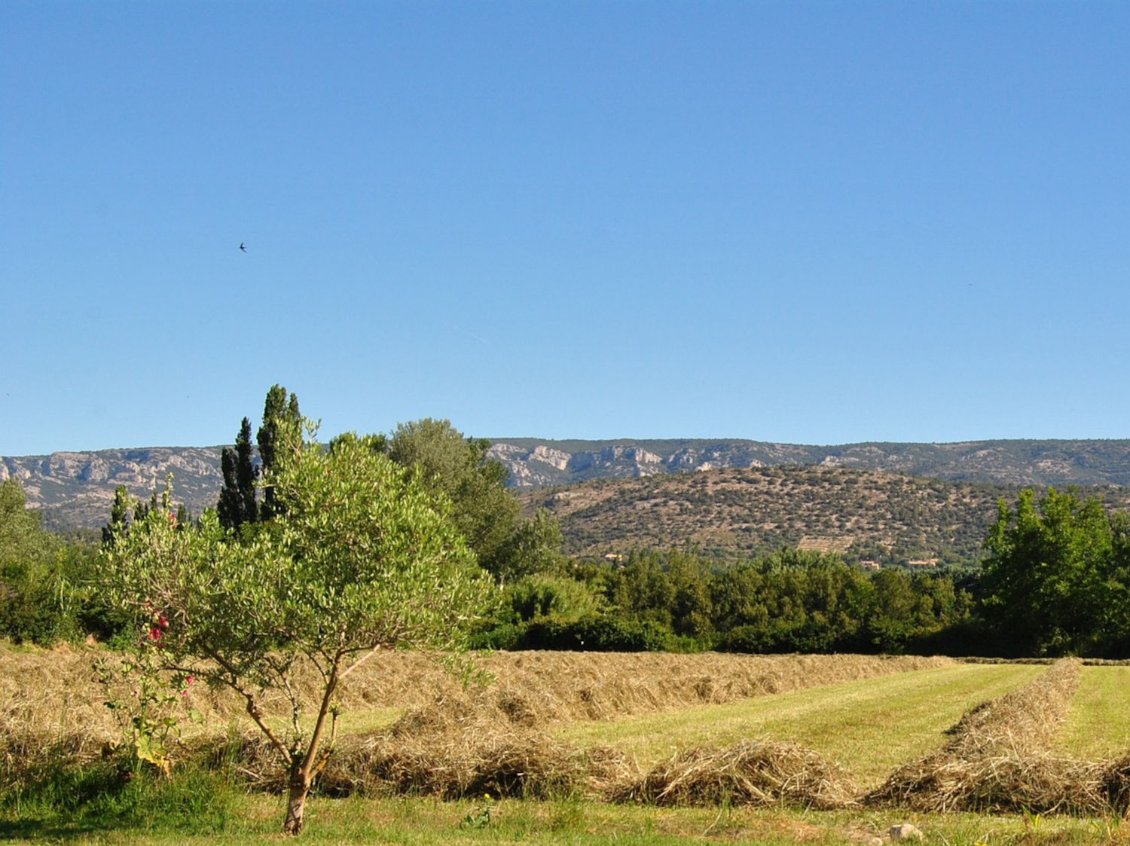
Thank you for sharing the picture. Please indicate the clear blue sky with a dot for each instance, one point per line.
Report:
(820, 222)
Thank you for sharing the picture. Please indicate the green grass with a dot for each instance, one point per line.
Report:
(1098, 723)
(368, 720)
(869, 726)
(105, 796)
(422, 822)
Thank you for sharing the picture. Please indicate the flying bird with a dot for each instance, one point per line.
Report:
(242, 246)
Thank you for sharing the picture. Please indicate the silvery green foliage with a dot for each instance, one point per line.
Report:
(361, 556)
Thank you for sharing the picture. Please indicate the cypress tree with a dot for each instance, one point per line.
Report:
(280, 433)
(237, 503)
(119, 516)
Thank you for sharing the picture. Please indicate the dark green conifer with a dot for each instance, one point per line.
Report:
(280, 433)
(237, 503)
(119, 516)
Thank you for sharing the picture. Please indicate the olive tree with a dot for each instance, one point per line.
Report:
(361, 557)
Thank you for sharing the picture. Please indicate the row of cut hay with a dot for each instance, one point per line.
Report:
(1035, 783)
(54, 693)
(1023, 721)
(52, 714)
(527, 764)
(522, 764)
(506, 761)
(1086, 662)
(468, 745)
(540, 688)
(461, 752)
(754, 773)
(997, 760)
(49, 700)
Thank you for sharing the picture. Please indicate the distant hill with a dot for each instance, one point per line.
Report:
(867, 516)
(541, 463)
(75, 489)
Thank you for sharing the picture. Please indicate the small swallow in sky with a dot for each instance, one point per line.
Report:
(242, 246)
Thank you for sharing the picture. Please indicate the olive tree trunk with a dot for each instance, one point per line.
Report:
(298, 788)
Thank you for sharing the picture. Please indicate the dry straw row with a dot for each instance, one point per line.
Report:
(493, 739)
(1023, 721)
(998, 759)
(50, 697)
(749, 773)
(1034, 783)
(447, 752)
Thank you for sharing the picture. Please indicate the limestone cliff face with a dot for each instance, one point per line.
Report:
(618, 460)
(534, 467)
(542, 465)
(1035, 463)
(76, 489)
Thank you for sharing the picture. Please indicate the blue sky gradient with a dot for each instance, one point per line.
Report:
(813, 222)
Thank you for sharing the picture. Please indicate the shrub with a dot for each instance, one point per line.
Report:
(595, 634)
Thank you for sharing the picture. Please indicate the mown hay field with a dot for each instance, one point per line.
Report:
(876, 736)
(1098, 721)
(868, 727)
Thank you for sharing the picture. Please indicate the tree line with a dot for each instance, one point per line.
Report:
(786, 602)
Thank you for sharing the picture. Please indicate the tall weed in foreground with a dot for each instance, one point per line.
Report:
(106, 795)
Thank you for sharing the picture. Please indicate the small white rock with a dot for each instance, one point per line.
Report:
(905, 831)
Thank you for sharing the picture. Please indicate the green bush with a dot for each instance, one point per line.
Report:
(543, 595)
(500, 636)
(595, 634)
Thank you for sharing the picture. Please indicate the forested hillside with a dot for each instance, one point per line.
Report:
(866, 516)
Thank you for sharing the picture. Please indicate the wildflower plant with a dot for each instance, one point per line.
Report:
(148, 702)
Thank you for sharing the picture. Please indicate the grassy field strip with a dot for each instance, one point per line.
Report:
(869, 726)
(1098, 724)
(368, 720)
(428, 822)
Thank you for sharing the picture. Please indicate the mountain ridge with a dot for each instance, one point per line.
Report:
(1085, 462)
(74, 489)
